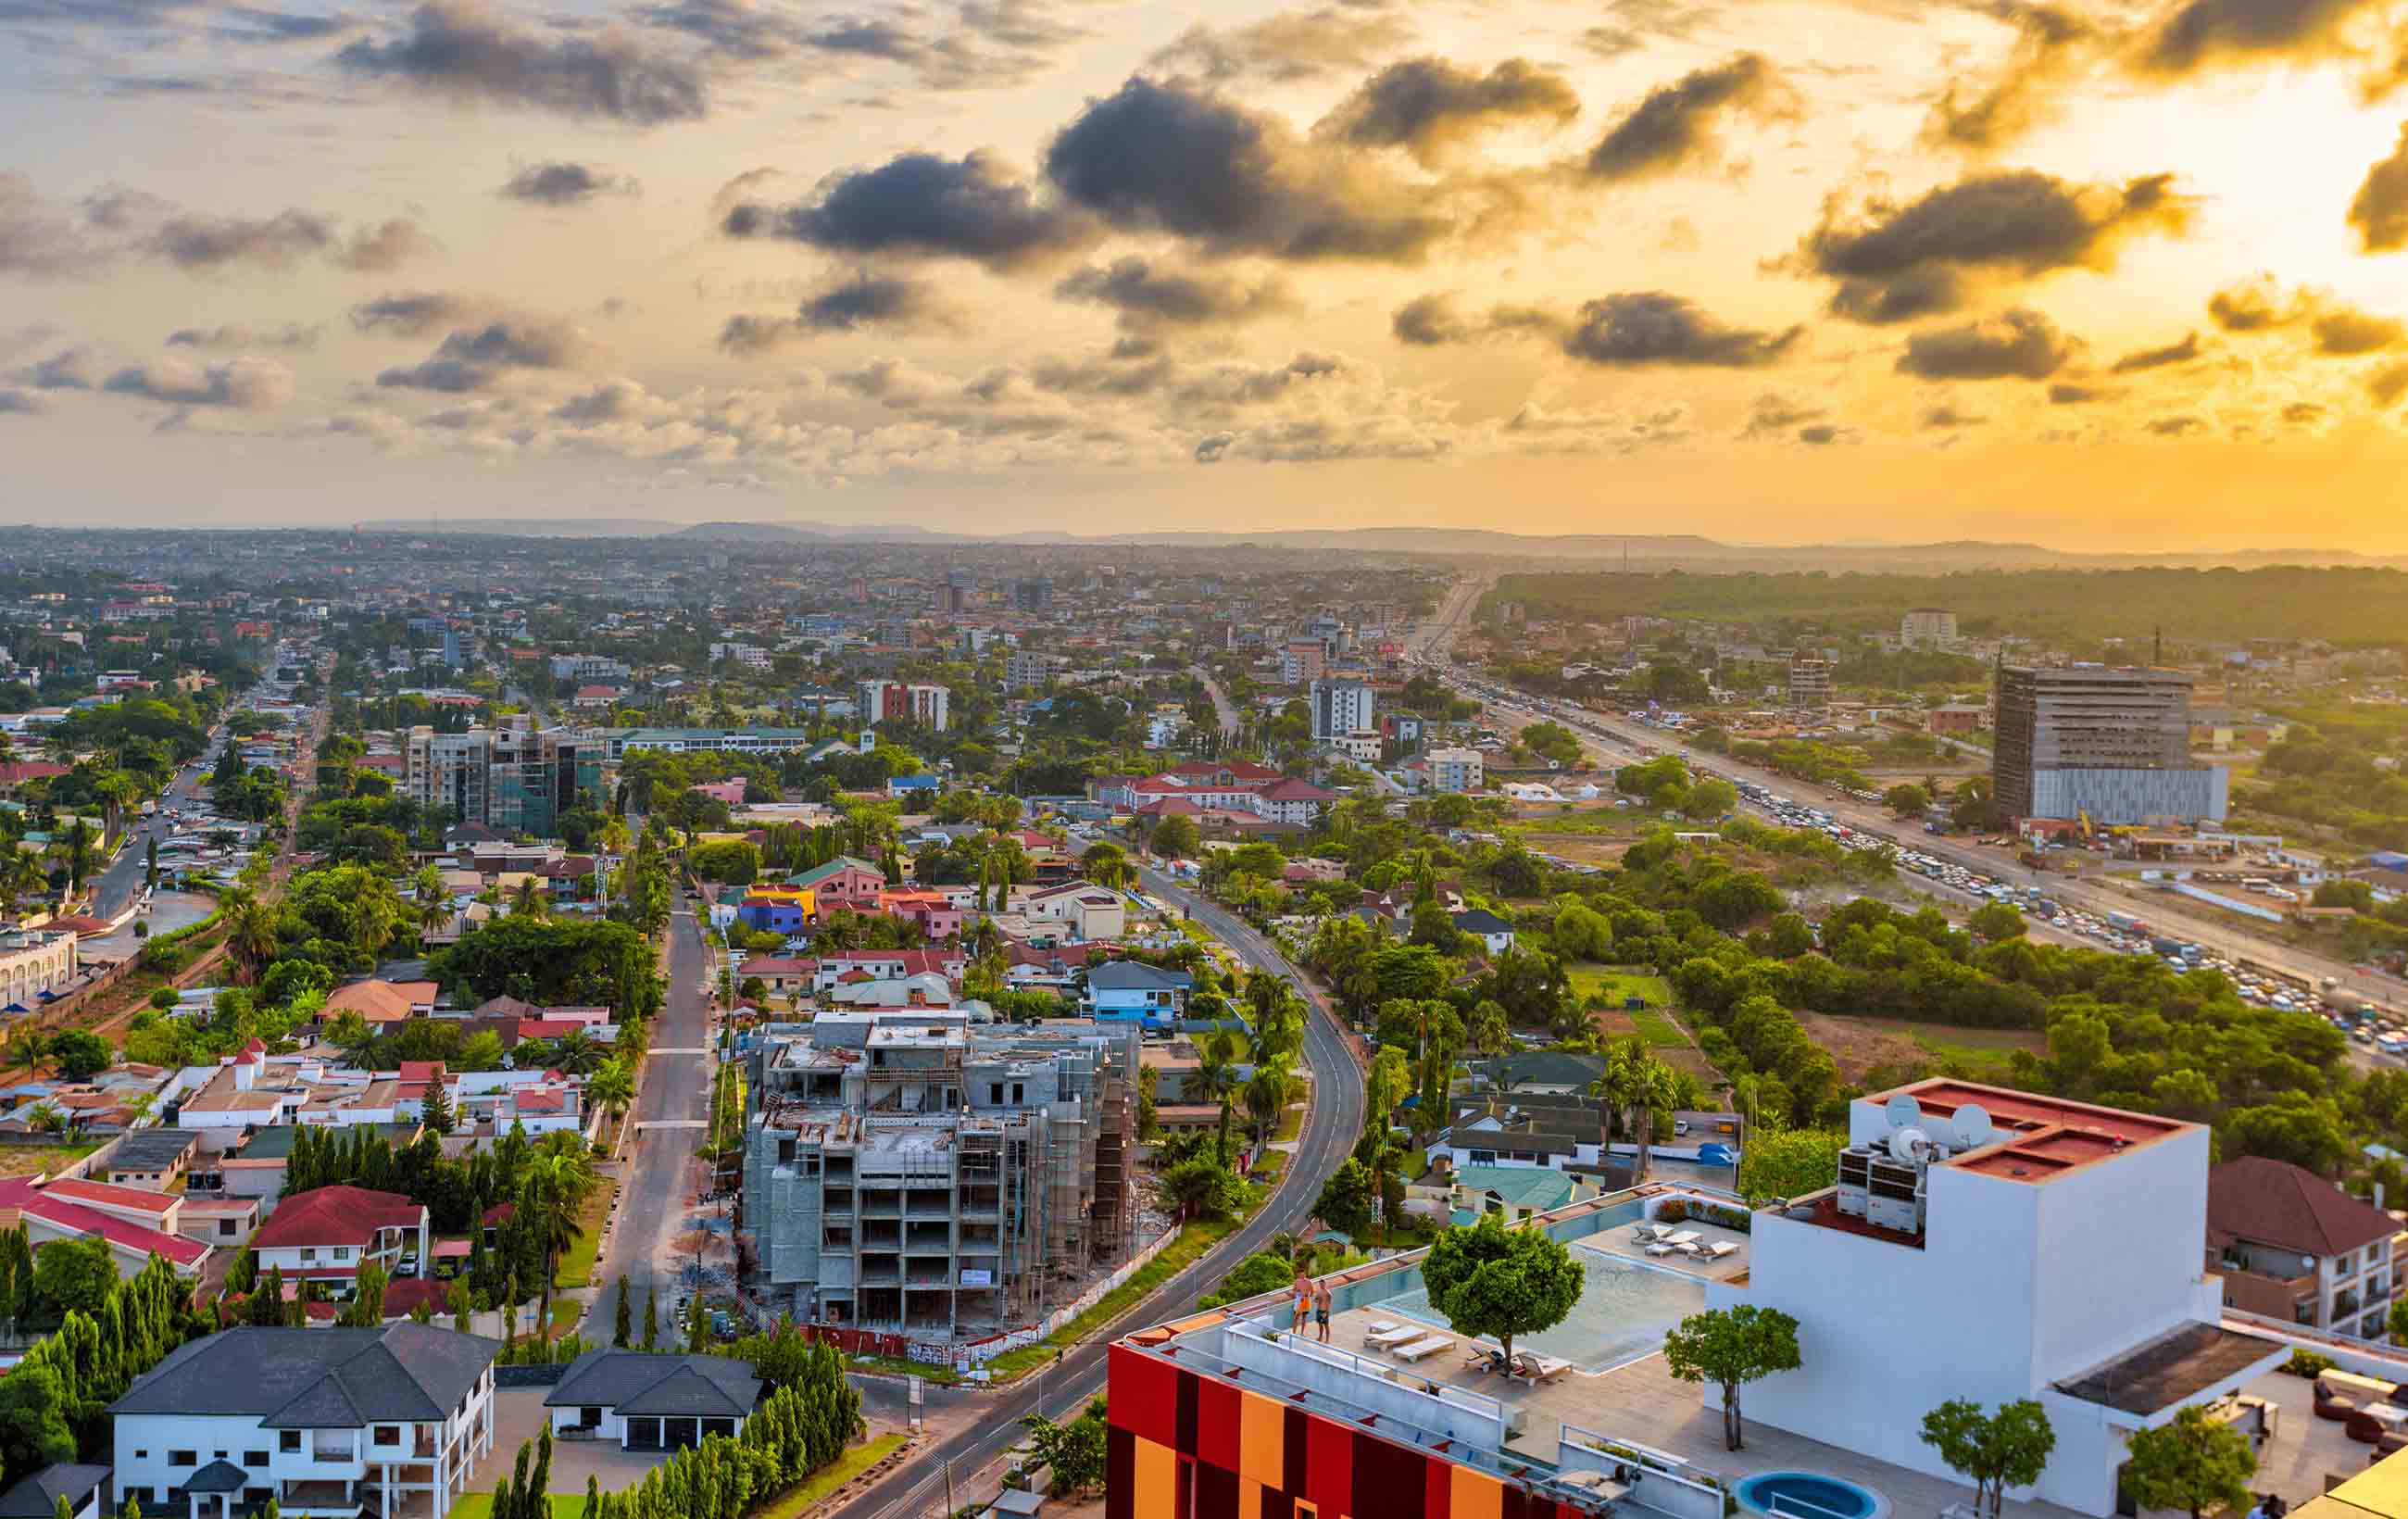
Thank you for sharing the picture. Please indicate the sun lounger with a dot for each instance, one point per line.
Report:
(1379, 1327)
(1426, 1345)
(1650, 1232)
(1595, 1483)
(1660, 1248)
(1529, 1366)
(1390, 1339)
(1687, 1237)
(1716, 1251)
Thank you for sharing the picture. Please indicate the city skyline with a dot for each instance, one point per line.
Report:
(2107, 276)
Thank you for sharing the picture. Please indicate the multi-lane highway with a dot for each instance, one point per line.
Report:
(1333, 1119)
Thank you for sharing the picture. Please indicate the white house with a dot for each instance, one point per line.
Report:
(36, 1495)
(1091, 912)
(647, 1402)
(326, 1421)
(133, 1222)
(2004, 1246)
(327, 1234)
(1494, 934)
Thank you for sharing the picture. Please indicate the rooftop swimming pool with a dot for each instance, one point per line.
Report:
(1809, 1494)
(1622, 1314)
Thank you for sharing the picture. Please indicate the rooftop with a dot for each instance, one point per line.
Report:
(2269, 1202)
(2172, 1367)
(2036, 1138)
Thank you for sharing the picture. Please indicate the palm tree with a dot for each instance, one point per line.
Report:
(433, 900)
(1635, 1086)
(551, 1198)
(1106, 866)
(250, 932)
(1214, 1080)
(1266, 1099)
(575, 1052)
(529, 899)
(613, 1085)
(354, 1036)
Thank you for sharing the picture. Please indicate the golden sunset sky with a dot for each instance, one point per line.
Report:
(2101, 275)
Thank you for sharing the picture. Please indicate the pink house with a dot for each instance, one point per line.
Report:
(730, 792)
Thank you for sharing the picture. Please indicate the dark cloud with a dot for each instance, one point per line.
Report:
(1291, 46)
(1611, 41)
(613, 400)
(2015, 345)
(194, 241)
(1946, 415)
(2049, 39)
(2253, 306)
(2198, 31)
(1430, 106)
(415, 315)
(1146, 294)
(2388, 383)
(1120, 372)
(1428, 322)
(291, 335)
(2066, 394)
(68, 369)
(1160, 157)
(2345, 332)
(1244, 384)
(1212, 446)
(2157, 358)
(749, 334)
(562, 183)
(1823, 433)
(1678, 18)
(2181, 426)
(2380, 211)
(1674, 124)
(865, 300)
(464, 49)
(450, 377)
(973, 207)
(474, 358)
(2300, 413)
(18, 401)
(385, 246)
(243, 384)
(1651, 327)
(35, 236)
(992, 42)
(124, 13)
(245, 23)
(1774, 415)
(1893, 260)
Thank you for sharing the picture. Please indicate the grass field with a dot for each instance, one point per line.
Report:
(1291, 1123)
(1653, 1025)
(576, 1268)
(852, 1464)
(480, 1506)
(35, 1159)
(1858, 1044)
(1268, 1169)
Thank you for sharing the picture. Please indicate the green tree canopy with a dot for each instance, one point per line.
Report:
(1730, 1347)
(2192, 1464)
(1496, 1281)
(2008, 1448)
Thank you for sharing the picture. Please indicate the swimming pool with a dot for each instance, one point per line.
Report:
(1809, 1494)
(1622, 1314)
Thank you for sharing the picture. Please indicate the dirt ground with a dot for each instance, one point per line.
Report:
(1858, 1044)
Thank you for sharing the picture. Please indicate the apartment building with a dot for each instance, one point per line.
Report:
(615, 744)
(906, 1171)
(1341, 708)
(893, 701)
(1302, 662)
(32, 962)
(2290, 1246)
(1454, 769)
(1809, 680)
(517, 778)
(1025, 670)
(1926, 627)
(2112, 745)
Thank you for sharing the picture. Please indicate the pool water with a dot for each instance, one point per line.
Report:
(1809, 1494)
(1623, 1310)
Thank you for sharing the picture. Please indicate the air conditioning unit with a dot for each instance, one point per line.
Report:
(1895, 1195)
(1854, 1163)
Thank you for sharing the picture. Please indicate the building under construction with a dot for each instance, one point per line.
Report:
(905, 1169)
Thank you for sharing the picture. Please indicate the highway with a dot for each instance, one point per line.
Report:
(1332, 1120)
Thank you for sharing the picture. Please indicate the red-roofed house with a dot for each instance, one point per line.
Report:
(780, 973)
(328, 1233)
(134, 1230)
(887, 965)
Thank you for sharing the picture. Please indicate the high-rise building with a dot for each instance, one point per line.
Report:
(2111, 745)
(516, 778)
(1926, 627)
(1301, 663)
(1342, 707)
(1809, 680)
(1033, 596)
(1452, 770)
(893, 701)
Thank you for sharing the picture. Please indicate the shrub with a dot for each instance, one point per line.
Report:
(2307, 1362)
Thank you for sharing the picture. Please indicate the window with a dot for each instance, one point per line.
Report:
(254, 1458)
(309, 1254)
(287, 1441)
(1017, 1089)
(342, 1252)
(183, 1458)
(225, 1225)
(995, 1094)
(387, 1435)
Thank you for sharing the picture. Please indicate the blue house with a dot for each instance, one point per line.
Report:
(922, 785)
(1131, 989)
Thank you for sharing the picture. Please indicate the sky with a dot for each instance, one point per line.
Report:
(2101, 274)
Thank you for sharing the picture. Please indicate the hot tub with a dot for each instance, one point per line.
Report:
(1809, 1494)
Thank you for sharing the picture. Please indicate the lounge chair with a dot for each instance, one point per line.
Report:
(1660, 1248)
(1426, 1345)
(1488, 1358)
(1533, 1367)
(1650, 1232)
(1687, 1237)
(1390, 1339)
(1379, 1327)
(1719, 1249)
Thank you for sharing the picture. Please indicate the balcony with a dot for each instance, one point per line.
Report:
(2345, 1304)
(319, 1500)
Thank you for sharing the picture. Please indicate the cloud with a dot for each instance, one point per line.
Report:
(2196, 32)
(2015, 345)
(251, 24)
(1651, 327)
(466, 49)
(416, 315)
(244, 384)
(2181, 426)
(194, 240)
(2157, 358)
(1161, 158)
(560, 183)
(474, 358)
(2380, 211)
(2069, 394)
(1292, 45)
(35, 238)
(613, 400)
(1673, 126)
(2388, 383)
(973, 207)
(385, 246)
(1893, 261)
(2345, 332)
(865, 300)
(1431, 107)
(992, 42)
(2300, 414)
(1823, 433)
(2049, 38)
(1428, 322)
(2251, 307)
(1774, 415)
(1946, 415)
(1147, 293)
(68, 369)
(18, 401)
(291, 335)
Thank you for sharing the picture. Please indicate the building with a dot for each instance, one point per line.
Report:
(1126, 991)
(1089, 911)
(1926, 627)
(1301, 664)
(906, 1171)
(1033, 596)
(893, 701)
(617, 743)
(1989, 1244)
(515, 779)
(134, 1223)
(2111, 745)
(1025, 670)
(319, 1421)
(83, 1488)
(34, 962)
(1494, 934)
(1957, 719)
(1342, 707)
(644, 1401)
(2290, 1246)
(155, 1159)
(1809, 680)
(328, 1233)
(1452, 770)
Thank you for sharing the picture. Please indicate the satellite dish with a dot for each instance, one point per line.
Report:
(1974, 1126)
(1903, 1110)
(1909, 1145)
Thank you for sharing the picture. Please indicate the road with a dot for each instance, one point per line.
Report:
(1227, 714)
(1332, 1120)
(655, 1199)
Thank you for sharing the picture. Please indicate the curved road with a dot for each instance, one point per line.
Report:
(1332, 1120)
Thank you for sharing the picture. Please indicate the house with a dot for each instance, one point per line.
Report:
(783, 975)
(380, 1002)
(886, 965)
(38, 1496)
(154, 1158)
(134, 1223)
(327, 1234)
(1493, 932)
(844, 877)
(1092, 911)
(649, 1403)
(776, 909)
(1121, 990)
(1514, 1193)
(322, 1421)
(2291, 1246)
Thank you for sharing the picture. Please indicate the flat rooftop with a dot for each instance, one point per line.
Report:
(2036, 1138)
(2172, 1367)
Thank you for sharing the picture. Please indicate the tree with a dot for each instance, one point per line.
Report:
(1730, 1347)
(435, 1109)
(34, 1408)
(2192, 1464)
(266, 1306)
(1779, 1162)
(1582, 932)
(651, 1318)
(366, 1310)
(1552, 741)
(552, 1203)
(1346, 1198)
(1994, 923)
(622, 1330)
(1709, 798)
(81, 1052)
(1999, 1451)
(612, 1086)
(1907, 800)
(1492, 1281)
(75, 1276)
(1074, 1452)
(1175, 837)
(1203, 1188)
(1106, 866)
